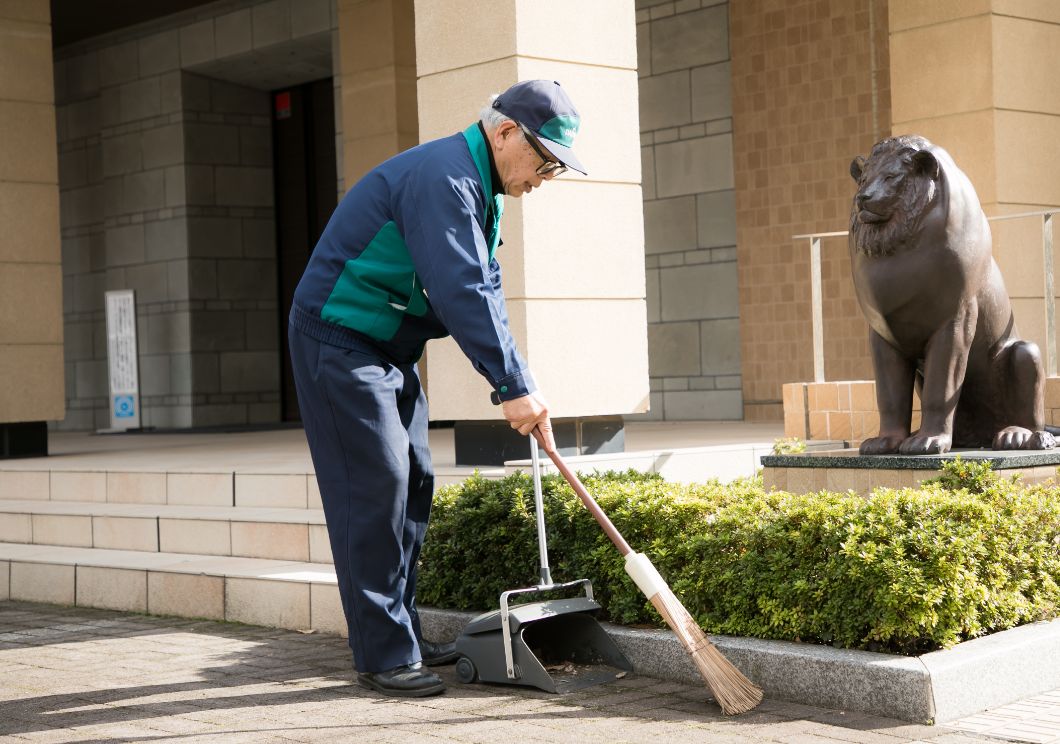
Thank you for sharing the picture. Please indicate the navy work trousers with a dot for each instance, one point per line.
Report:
(366, 422)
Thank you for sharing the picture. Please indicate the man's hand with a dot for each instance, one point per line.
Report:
(530, 412)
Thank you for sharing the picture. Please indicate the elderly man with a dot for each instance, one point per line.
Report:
(408, 256)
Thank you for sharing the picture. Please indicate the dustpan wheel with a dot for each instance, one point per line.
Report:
(465, 670)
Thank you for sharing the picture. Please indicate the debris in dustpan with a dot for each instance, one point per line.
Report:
(567, 668)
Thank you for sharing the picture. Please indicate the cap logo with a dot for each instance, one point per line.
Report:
(561, 129)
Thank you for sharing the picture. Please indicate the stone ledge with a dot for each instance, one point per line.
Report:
(937, 687)
(849, 458)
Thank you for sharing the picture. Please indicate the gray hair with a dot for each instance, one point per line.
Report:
(490, 117)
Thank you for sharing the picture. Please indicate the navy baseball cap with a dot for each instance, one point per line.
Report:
(543, 107)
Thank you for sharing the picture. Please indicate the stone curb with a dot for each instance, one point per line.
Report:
(937, 687)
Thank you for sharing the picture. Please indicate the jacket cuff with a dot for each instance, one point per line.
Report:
(514, 386)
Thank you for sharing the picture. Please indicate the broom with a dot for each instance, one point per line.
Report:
(733, 691)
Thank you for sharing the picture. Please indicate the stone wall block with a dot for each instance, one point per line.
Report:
(665, 101)
(232, 33)
(154, 374)
(88, 292)
(165, 333)
(195, 92)
(721, 346)
(177, 280)
(703, 405)
(163, 146)
(202, 279)
(214, 237)
(246, 280)
(141, 99)
(249, 371)
(698, 292)
(311, 17)
(218, 330)
(211, 144)
(694, 166)
(82, 77)
(119, 63)
(165, 240)
(262, 330)
(271, 23)
(180, 377)
(159, 53)
(670, 225)
(206, 372)
(176, 186)
(121, 154)
(255, 146)
(84, 118)
(125, 245)
(259, 238)
(673, 349)
(690, 39)
(712, 92)
(716, 218)
(150, 280)
(243, 186)
(145, 191)
(197, 43)
(198, 185)
(229, 98)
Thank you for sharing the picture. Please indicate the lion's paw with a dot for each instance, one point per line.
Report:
(1040, 440)
(1012, 438)
(880, 445)
(926, 444)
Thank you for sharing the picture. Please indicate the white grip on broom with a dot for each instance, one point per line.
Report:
(644, 574)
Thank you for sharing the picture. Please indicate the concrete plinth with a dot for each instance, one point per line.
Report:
(846, 470)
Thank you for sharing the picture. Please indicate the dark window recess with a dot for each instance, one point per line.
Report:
(303, 137)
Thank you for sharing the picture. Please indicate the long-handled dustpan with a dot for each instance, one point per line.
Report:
(555, 645)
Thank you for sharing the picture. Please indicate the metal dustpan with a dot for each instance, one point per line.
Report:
(555, 645)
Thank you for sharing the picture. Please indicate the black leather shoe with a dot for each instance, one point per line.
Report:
(436, 654)
(404, 681)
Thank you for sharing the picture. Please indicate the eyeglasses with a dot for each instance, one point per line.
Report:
(550, 167)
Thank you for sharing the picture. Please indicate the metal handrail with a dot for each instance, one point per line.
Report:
(1049, 299)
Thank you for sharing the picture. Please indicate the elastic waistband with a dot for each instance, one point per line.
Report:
(329, 333)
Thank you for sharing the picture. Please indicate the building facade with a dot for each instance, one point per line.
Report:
(192, 151)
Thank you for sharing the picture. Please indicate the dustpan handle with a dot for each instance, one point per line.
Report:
(590, 503)
(539, 507)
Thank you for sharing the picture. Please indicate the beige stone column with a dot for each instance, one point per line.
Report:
(31, 298)
(377, 66)
(978, 78)
(573, 253)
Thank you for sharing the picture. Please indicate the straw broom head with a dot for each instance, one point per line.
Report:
(733, 691)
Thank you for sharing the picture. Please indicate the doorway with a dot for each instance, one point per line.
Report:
(303, 137)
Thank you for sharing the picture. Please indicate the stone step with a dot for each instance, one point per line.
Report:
(246, 532)
(282, 490)
(284, 594)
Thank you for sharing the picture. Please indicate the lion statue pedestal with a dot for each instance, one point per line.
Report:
(937, 309)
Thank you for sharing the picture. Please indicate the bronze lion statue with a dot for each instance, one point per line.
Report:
(937, 309)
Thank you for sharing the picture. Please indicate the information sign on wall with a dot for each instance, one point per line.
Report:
(122, 360)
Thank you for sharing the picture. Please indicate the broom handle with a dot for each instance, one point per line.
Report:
(587, 499)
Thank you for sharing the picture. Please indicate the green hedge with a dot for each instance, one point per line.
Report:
(906, 571)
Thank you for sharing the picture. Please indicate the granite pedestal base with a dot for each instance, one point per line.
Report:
(846, 470)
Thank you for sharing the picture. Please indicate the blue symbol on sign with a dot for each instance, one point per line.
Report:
(124, 406)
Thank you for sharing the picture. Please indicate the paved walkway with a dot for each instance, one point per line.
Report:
(76, 675)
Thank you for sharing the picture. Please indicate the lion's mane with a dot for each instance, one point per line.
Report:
(886, 238)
